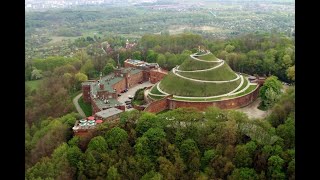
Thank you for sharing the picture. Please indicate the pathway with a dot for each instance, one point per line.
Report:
(252, 110)
(76, 104)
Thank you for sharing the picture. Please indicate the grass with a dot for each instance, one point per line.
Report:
(137, 102)
(250, 88)
(209, 57)
(156, 97)
(245, 83)
(33, 84)
(222, 73)
(247, 91)
(155, 90)
(182, 87)
(191, 64)
(86, 107)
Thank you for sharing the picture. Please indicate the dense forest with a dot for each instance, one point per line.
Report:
(177, 144)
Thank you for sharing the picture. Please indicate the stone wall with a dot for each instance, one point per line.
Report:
(134, 79)
(168, 103)
(119, 86)
(158, 106)
(86, 93)
(146, 75)
(95, 108)
(223, 104)
(156, 76)
(126, 64)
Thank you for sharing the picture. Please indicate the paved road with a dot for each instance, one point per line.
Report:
(132, 91)
(76, 104)
(252, 110)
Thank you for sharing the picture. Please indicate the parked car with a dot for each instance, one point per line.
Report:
(127, 102)
(119, 95)
(129, 106)
(130, 96)
(140, 82)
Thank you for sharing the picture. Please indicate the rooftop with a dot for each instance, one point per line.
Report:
(112, 103)
(108, 112)
(134, 61)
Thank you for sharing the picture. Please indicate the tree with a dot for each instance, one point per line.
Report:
(91, 166)
(88, 69)
(147, 121)
(136, 55)
(80, 77)
(270, 90)
(161, 60)
(166, 168)
(229, 48)
(286, 61)
(151, 56)
(115, 137)
(36, 74)
(287, 132)
(244, 173)
(291, 73)
(74, 155)
(98, 144)
(108, 69)
(152, 175)
(207, 157)
(113, 174)
(291, 169)
(242, 157)
(271, 97)
(275, 164)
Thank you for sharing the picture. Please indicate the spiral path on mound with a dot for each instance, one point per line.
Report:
(221, 62)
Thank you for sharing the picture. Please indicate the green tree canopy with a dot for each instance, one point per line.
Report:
(270, 91)
(108, 69)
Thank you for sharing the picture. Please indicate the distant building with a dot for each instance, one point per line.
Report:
(130, 45)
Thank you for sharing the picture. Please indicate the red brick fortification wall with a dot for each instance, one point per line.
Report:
(119, 86)
(146, 75)
(126, 65)
(156, 76)
(86, 93)
(135, 78)
(158, 106)
(95, 108)
(224, 104)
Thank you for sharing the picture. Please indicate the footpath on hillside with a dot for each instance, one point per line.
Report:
(76, 104)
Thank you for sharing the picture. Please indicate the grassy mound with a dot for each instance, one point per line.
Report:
(209, 57)
(245, 83)
(222, 73)
(191, 64)
(155, 90)
(173, 84)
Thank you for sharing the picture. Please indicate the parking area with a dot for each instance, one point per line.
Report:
(125, 96)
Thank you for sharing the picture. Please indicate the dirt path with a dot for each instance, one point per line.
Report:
(252, 110)
(76, 104)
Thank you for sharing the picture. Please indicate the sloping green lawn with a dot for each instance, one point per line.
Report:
(86, 107)
(191, 64)
(222, 73)
(155, 90)
(173, 84)
(209, 57)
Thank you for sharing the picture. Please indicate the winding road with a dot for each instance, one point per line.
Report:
(76, 104)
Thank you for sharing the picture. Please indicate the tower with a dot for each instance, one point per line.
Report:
(127, 44)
